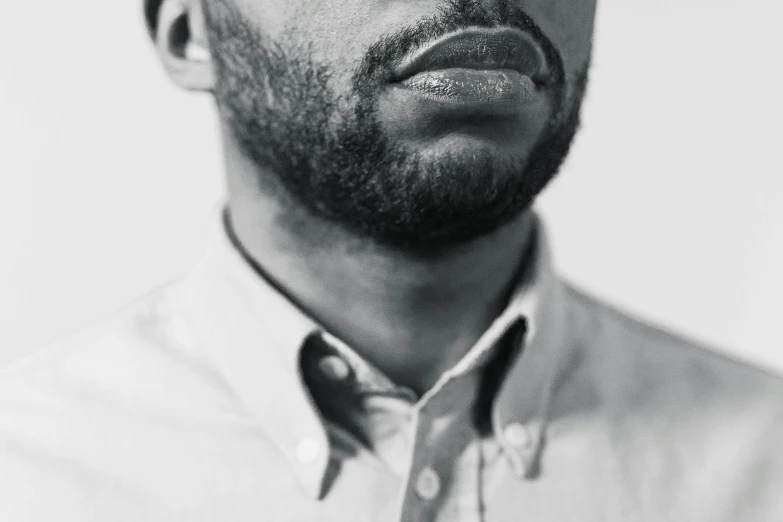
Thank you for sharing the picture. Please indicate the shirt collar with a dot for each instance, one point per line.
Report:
(525, 394)
(255, 335)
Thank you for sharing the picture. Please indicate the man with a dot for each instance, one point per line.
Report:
(376, 332)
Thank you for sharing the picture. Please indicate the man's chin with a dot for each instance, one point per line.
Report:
(467, 148)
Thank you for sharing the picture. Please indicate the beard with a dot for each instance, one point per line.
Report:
(331, 157)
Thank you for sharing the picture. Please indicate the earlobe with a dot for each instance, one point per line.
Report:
(197, 52)
(182, 45)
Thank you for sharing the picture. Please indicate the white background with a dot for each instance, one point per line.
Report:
(671, 204)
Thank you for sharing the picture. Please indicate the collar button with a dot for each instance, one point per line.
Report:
(428, 484)
(334, 367)
(517, 436)
(307, 450)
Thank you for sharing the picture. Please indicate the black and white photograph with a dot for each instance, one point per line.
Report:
(391, 261)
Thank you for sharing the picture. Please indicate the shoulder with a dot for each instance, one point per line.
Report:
(142, 352)
(617, 340)
(152, 332)
(109, 351)
(145, 352)
(694, 413)
(84, 418)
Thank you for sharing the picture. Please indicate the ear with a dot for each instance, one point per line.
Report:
(179, 32)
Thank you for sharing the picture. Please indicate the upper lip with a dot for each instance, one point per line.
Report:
(504, 48)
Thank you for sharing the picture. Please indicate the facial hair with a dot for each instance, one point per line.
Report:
(331, 157)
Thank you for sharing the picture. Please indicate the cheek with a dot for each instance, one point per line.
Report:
(337, 32)
(568, 23)
(269, 15)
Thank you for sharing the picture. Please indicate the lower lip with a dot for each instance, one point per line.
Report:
(478, 87)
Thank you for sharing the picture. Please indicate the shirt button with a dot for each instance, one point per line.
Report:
(428, 484)
(517, 435)
(307, 450)
(334, 367)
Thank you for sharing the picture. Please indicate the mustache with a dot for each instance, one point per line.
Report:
(378, 63)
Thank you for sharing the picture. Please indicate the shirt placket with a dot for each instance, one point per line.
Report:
(442, 482)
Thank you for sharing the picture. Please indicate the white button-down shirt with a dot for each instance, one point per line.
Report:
(214, 398)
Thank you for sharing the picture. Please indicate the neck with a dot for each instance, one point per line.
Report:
(413, 317)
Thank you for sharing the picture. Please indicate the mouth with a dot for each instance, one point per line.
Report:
(480, 50)
(478, 65)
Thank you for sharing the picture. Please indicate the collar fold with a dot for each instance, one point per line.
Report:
(525, 394)
(255, 335)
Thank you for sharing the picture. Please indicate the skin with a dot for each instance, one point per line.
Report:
(413, 312)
